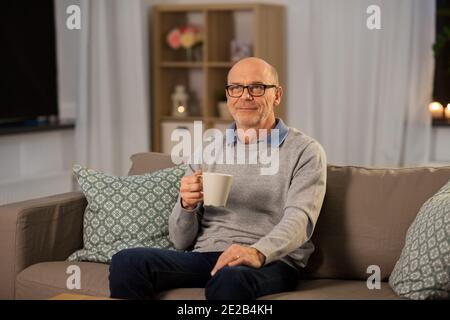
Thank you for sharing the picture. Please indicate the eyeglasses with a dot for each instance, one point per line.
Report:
(255, 90)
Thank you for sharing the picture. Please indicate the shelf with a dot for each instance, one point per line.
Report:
(181, 64)
(191, 119)
(441, 123)
(219, 120)
(219, 64)
(30, 127)
(181, 119)
(213, 7)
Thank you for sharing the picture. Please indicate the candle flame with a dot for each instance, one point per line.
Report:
(435, 106)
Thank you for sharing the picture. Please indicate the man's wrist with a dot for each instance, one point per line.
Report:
(261, 257)
(186, 207)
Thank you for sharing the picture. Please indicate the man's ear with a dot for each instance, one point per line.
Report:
(278, 94)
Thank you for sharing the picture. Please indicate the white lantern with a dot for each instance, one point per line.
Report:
(179, 102)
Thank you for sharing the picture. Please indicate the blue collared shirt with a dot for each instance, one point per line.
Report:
(231, 136)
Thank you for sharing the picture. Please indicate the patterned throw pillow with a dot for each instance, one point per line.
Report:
(126, 212)
(423, 270)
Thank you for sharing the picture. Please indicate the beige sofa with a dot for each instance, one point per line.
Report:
(363, 222)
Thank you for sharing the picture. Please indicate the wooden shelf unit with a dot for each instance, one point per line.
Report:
(263, 25)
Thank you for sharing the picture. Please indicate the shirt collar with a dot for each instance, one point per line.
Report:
(231, 136)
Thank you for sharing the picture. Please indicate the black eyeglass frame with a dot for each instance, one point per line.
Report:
(266, 86)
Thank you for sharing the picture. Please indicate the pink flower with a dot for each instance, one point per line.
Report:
(174, 38)
(185, 36)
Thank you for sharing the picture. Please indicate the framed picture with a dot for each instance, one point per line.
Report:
(240, 50)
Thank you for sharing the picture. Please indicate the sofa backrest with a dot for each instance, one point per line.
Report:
(145, 162)
(364, 217)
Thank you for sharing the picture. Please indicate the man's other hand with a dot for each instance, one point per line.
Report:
(237, 255)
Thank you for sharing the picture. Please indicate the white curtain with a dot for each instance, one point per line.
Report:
(113, 109)
(362, 93)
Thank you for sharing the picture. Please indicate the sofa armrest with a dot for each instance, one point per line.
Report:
(43, 229)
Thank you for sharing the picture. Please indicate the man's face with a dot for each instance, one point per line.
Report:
(249, 111)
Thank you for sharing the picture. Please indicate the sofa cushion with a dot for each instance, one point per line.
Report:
(320, 289)
(423, 270)
(126, 212)
(48, 279)
(332, 289)
(365, 216)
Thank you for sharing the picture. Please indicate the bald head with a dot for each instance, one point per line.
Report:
(252, 63)
(253, 109)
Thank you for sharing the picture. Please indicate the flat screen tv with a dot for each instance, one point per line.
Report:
(28, 77)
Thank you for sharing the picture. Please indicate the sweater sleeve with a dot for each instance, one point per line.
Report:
(301, 210)
(184, 224)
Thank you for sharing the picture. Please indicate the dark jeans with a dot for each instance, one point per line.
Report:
(141, 272)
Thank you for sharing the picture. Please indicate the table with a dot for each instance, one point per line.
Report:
(73, 296)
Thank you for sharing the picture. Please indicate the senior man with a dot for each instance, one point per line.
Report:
(259, 242)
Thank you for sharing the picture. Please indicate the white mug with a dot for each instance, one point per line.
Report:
(216, 187)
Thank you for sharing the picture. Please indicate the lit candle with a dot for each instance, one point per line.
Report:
(436, 109)
(447, 111)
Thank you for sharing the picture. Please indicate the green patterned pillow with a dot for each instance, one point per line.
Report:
(423, 270)
(126, 212)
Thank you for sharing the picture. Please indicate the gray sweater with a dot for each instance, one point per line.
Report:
(275, 214)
